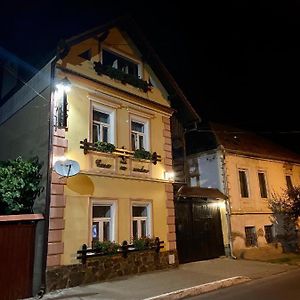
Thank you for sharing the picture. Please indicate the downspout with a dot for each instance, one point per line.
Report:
(49, 176)
(227, 204)
(184, 157)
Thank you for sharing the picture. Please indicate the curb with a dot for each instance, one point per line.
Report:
(201, 289)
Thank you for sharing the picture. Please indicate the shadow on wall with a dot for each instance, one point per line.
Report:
(81, 184)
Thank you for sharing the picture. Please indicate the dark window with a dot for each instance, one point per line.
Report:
(262, 184)
(139, 211)
(269, 233)
(289, 183)
(243, 184)
(118, 62)
(251, 237)
(101, 211)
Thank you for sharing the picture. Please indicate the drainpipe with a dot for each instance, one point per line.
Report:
(227, 203)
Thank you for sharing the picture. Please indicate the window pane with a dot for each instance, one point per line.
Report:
(95, 133)
(95, 231)
(100, 117)
(269, 233)
(104, 134)
(109, 59)
(143, 228)
(135, 126)
(106, 231)
(133, 142)
(251, 238)
(243, 184)
(100, 211)
(134, 229)
(139, 211)
(141, 142)
(289, 182)
(262, 185)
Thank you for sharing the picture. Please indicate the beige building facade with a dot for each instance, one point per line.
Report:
(248, 169)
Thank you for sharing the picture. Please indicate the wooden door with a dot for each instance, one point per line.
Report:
(16, 259)
(198, 229)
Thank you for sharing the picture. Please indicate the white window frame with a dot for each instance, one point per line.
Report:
(112, 119)
(112, 218)
(146, 135)
(247, 181)
(148, 219)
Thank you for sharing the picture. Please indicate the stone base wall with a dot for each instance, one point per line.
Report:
(106, 267)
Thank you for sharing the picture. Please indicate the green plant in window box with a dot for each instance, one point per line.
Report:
(106, 247)
(142, 154)
(121, 76)
(143, 243)
(104, 147)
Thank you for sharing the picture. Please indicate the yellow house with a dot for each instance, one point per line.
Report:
(248, 169)
(114, 122)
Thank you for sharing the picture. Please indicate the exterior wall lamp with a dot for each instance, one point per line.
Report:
(61, 102)
(64, 85)
(169, 176)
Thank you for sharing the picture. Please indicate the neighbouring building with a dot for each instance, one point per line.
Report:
(248, 169)
(122, 96)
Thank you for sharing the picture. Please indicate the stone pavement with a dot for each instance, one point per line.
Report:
(187, 280)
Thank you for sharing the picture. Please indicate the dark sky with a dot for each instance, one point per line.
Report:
(236, 61)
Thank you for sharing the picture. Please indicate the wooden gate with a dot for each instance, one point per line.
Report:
(16, 259)
(198, 229)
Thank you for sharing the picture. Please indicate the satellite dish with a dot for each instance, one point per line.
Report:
(66, 168)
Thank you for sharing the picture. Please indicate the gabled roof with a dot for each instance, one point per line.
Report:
(178, 100)
(248, 143)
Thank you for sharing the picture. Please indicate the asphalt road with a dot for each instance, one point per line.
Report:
(284, 286)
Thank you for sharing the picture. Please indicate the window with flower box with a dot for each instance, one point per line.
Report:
(103, 221)
(103, 124)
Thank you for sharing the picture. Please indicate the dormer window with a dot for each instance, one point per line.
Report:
(122, 69)
(120, 63)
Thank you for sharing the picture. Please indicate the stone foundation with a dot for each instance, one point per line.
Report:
(107, 267)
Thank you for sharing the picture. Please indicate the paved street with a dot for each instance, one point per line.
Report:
(161, 282)
(284, 286)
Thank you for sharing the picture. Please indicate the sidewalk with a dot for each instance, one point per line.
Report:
(210, 274)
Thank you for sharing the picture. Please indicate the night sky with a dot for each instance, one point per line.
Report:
(236, 62)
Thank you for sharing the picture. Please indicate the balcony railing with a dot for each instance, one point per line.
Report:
(120, 152)
(105, 158)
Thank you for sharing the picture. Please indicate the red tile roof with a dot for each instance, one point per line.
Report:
(248, 143)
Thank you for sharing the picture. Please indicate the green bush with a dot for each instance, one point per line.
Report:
(106, 247)
(19, 185)
(143, 243)
(142, 154)
(104, 147)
